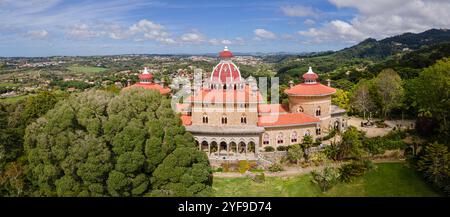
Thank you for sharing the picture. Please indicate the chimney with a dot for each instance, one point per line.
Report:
(291, 84)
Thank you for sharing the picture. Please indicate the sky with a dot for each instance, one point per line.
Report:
(108, 27)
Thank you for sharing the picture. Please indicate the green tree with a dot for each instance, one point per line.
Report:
(361, 99)
(389, 88)
(435, 163)
(341, 99)
(294, 153)
(97, 143)
(351, 145)
(431, 94)
(326, 178)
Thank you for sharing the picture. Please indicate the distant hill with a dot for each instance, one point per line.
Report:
(373, 49)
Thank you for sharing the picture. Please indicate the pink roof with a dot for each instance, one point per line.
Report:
(288, 119)
(225, 54)
(271, 108)
(216, 96)
(316, 89)
(311, 76)
(151, 86)
(145, 76)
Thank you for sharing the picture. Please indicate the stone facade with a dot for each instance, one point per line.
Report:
(228, 118)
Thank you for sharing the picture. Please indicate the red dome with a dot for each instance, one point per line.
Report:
(225, 71)
(225, 53)
(310, 75)
(145, 76)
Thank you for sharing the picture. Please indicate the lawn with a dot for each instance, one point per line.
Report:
(13, 99)
(388, 179)
(9, 85)
(86, 69)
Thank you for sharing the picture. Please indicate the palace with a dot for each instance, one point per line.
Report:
(229, 118)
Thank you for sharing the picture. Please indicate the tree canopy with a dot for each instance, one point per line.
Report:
(100, 144)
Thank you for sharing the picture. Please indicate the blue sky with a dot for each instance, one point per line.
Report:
(57, 27)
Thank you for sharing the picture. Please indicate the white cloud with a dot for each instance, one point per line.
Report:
(83, 31)
(37, 33)
(384, 18)
(309, 22)
(298, 11)
(193, 37)
(264, 34)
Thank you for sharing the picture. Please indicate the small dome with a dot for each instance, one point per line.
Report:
(225, 53)
(310, 75)
(225, 71)
(146, 75)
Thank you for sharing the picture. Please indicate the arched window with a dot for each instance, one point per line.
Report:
(280, 138)
(266, 139)
(318, 111)
(318, 131)
(300, 109)
(294, 137)
(205, 118)
(224, 119)
(243, 119)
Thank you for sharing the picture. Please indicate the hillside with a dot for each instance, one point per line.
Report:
(373, 49)
(408, 50)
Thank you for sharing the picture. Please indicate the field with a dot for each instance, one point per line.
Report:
(8, 85)
(388, 179)
(13, 99)
(86, 69)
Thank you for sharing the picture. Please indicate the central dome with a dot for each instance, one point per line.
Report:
(226, 71)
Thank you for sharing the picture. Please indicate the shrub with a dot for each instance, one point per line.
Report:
(378, 145)
(317, 158)
(354, 169)
(276, 167)
(281, 148)
(226, 167)
(332, 151)
(269, 149)
(294, 154)
(245, 165)
(260, 178)
(326, 178)
(219, 169)
(330, 135)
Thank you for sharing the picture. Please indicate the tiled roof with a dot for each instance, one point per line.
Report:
(271, 108)
(289, 119)
(219, 96)
(316, 89)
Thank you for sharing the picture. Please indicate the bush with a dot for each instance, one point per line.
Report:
(276, 167)
(378, 145)
(330, 135)
(243, 166)
(269, 149)
(226, 167)
(281, 148)
(354, 169)
(317, 158)
(219, 169)
(260, 178)
(326, 178)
